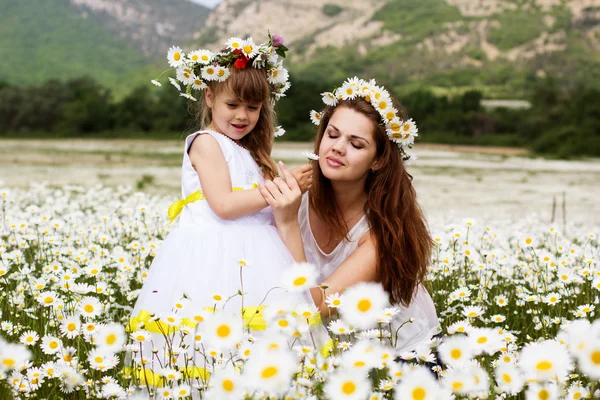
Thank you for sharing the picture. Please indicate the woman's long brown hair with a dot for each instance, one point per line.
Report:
(397, 223)
(250, 85)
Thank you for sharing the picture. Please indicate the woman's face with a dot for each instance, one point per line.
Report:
(347, 151)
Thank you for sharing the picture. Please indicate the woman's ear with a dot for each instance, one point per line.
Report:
(209, 97)
(377, 165)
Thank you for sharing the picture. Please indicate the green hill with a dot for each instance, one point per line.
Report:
(47, 39)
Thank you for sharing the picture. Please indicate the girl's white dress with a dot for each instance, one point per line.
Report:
(202, 257)
(425, 322)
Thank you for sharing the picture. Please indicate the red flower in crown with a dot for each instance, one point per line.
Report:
(241, 61)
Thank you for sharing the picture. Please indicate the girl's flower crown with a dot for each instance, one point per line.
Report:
(197, 67)
(401, 132)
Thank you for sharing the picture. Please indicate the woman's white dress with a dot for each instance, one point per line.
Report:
(421, 308)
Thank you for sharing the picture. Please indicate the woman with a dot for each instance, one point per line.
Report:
(360, 220)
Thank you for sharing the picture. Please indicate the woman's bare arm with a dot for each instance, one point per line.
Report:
(360, 266)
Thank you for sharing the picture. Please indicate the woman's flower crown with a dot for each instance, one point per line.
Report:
(401, 132)
(200, 66)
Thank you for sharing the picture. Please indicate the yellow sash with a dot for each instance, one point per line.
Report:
(176, 208)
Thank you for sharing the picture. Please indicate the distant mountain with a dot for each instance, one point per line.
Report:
(115, 41)
(495, 45)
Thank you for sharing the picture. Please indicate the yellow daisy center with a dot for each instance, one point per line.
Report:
(419, 393)
(223, 331)
(482, 340)
(364, 305)
(457, 385)
(53, 345)
(228, 385)
(248, 49)
(543, 394)
(269, 372)
(71, 327)
(300, 281)
(595, 357)
(348, 388)
(205, 57)
(176, 56)
(506, 378)
(8, 362)
(88, 308)
(544, 366)
(111, 338)
(455, 353)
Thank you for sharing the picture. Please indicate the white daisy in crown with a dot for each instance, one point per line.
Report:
(222, 73)
(198, 67)
(201, 56)
(209, 73)
(249, 48)
(175, 57)
(399, 131)
(235, 43)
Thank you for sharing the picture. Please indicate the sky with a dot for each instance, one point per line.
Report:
(207, 3)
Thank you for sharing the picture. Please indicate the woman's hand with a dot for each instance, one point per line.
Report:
(284, 196)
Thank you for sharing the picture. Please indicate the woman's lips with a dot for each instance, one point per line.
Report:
(334, 162)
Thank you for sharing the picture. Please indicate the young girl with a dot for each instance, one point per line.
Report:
(226, 252)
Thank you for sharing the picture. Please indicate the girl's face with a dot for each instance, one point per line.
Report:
(233, 118)
(347, 151)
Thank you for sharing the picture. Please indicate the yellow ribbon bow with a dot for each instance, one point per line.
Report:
(176, 208)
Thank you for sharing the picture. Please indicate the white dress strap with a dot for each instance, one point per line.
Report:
(226, 144)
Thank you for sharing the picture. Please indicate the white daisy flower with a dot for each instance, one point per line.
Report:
(545, 360)
(485, 340)
(546, 391)
(473, 311)
(90, 307)
(339, 327)
(418, 384)
(329, 99)
(394, 130)
(222, 331)
(188, 96)
(29, 338)
(363, 303)
(13, 356)
(111, 338)
(271, 375)
(185, 75)
(509, 378)
(48, 299)
(347, 384)
(249, 48)
(277, 75)
(348, 91)
(225, 383)
(140, 335)
(315, 117)
(201, 56)
(198, 84)
(310, 155)
(334, 300)
(279, 131)
(70, 327)
(589, 359)
(222, 73)
(175, 83)
(458, 381)
(234, 43)
(455, 351)
(51, 344)
(209, 73)
(175, 57)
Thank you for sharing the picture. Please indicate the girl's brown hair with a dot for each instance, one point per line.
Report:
(397, 223)
(249, 85)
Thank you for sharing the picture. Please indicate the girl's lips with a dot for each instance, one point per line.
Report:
(334, 162)
(239, 128)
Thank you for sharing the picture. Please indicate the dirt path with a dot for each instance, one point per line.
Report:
(452, 181)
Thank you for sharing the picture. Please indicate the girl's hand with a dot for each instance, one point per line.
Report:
(303, 175)
(284, 196)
